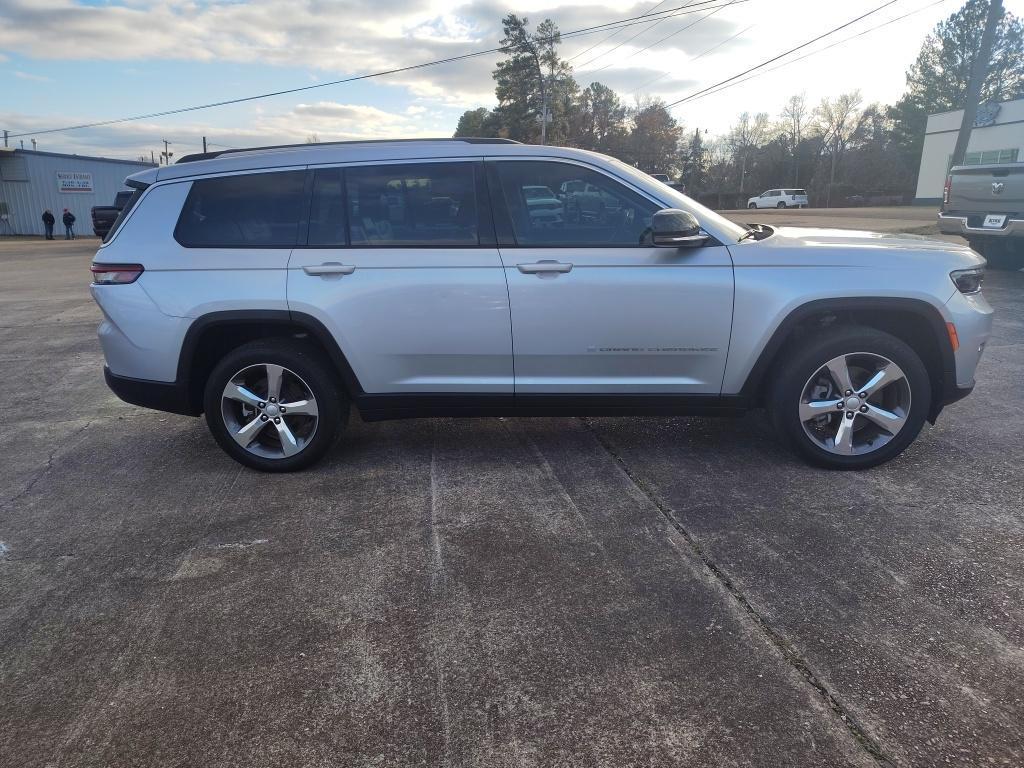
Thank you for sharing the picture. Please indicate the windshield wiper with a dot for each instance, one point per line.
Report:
(756, 231)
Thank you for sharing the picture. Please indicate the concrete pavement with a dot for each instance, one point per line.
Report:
(496, 592)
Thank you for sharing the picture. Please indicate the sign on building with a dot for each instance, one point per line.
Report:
(74, 181)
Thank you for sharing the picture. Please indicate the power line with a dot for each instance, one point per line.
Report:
(634, 37)
(678, 31)
(604, 40)
(701, 55)
(695, 94)
(647, 18)
(820, 50)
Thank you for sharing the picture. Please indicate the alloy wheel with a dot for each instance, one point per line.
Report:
(855, 403)
(269, 411)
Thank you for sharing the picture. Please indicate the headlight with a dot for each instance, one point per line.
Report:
(968, 280)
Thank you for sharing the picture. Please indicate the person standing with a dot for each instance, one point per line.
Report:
(48, 222)
(69, 225)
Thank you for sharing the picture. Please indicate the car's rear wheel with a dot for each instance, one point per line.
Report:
(274, 405)
(850, 399)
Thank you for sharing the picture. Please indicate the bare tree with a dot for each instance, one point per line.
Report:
(746, 136)
(793, 115)
(837, 122)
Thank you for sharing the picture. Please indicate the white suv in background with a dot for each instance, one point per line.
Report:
(274, 289)
(779, 198)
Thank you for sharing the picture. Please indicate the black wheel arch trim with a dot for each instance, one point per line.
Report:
(946, 388)
(307, 323)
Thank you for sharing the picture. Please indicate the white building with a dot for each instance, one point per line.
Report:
(31, 182)
(998, 137)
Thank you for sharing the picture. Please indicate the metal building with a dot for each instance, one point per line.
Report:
(31, 182)
(997, 137)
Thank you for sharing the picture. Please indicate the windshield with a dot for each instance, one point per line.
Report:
(705, 216)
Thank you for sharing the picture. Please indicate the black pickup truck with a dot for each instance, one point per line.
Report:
(103, 215)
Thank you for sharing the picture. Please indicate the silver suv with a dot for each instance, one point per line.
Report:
(272, 289)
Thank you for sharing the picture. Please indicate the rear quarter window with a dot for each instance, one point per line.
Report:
(259, 210)
(123, 214)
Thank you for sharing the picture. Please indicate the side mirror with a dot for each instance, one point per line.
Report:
(672, 228)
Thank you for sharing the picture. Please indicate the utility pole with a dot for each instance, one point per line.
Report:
(33, 145)
(166, 154)
(152, 157)
(204, 145)
(543, 100)
(5, 137)
(978, 73)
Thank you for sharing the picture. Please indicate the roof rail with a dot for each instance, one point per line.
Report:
(465, 140)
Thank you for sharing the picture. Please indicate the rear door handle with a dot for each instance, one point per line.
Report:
(329, 268)
(544, 268)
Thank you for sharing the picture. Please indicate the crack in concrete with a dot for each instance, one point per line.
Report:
(47, 466)
(785, 648)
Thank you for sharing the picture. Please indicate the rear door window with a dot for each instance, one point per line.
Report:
(427, 204)
(258, 210)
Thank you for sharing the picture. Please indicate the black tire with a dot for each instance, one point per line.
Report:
(313, 370)
(781, 205)
(797, 366)
(751, 206)
(1000, 253)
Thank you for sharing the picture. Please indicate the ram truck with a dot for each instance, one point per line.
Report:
(985, 205)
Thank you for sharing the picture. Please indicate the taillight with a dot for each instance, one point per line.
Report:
(947, 190)
(115, 274)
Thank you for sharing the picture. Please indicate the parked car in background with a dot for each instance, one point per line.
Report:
(985, 204)
(543, 205)
(246, 286)
(103, 216)
(662, 177)
(585, 201)
(779, 198)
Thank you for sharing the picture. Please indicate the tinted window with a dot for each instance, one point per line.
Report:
(327, 209)
(253, 210)
(575, 206)
(423, 204)
(123, 214)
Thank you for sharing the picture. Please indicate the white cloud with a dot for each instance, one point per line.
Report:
(29, 76)
(332, 39)
(329, 120)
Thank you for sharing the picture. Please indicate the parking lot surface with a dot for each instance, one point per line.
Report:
(496, 592)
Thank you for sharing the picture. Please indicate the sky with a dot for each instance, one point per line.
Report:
(68, 62)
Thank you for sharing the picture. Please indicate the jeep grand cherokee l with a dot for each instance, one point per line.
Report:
(272, 289)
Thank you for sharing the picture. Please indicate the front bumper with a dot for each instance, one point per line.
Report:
(969, 225)
(158, 395)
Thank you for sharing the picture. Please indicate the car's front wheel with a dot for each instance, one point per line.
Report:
(274, 405)
(781, 205)
(751, 205)
(851, 398)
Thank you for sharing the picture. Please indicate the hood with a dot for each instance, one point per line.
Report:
(858, 239)
(844, 247)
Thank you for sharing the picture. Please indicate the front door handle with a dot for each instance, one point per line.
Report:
(544, 268)
(329, 268)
